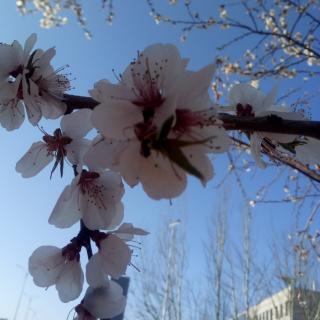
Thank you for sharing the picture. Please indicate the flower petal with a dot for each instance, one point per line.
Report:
(309, 153)
(193, 89)
(29, 44)
(127, 231)
(30, 92)
(102, 211)
(45, 265)
(70, 281)
(41, 60)
(117, 215)
(100, 154)
(12, 114)
(246, 94)
(36, 158)
(10, 59)
(67, 211)
(94, 273)
(105, 302)
(77, 124)
(104, 91)
(117, 119)
(160, 60)
(255, 146)
(161, 179)
(51, 107)
(270, 98)
(127, 160)
(115, 256)
(77, 149)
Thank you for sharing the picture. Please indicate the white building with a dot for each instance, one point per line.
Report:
(288, 304)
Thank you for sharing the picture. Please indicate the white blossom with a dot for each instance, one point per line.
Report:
(28, 82)
(112, 259)
(248, 101)
(103, 302)
(153, 123)
(93, 197)
(113, 256)
(49, 265)
(67, 142)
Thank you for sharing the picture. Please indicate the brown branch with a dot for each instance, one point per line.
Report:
(289, 161)
(271, 123)
(78, 102)
(84, 235)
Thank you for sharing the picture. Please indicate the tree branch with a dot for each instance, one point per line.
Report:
(84, 233)
(78, 102)
(270, 123)
(291, 162)
(85, 236)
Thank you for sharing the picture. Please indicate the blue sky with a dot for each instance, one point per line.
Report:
(27, 203)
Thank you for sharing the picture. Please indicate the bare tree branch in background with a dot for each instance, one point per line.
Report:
(162, 286)
(284, 34)
(215, 262)
(54, 12)
(236, 278)
(300, 272)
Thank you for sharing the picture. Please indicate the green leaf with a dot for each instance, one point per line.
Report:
(292, 145)
(183, 143)
(167, 125)
(177, 156)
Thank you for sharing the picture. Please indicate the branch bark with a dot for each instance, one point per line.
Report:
(293, 163)
(271, 123)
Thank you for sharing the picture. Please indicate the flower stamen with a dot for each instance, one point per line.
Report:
(88, 185)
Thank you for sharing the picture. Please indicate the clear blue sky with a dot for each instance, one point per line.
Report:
(27, 203)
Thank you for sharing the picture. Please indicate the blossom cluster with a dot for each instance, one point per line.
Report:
(247, 101)
(155, 126)
(29, 84)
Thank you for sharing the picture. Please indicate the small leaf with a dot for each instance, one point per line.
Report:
(183, 143)
(166, 129)
(177, 156)
(292, 145)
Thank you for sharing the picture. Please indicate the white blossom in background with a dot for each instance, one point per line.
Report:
(154, 123)
(248, 101)
(67, 142)
(104, 302)
(49, 265)
(93, 197)
(29, 83)
(308, 152)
